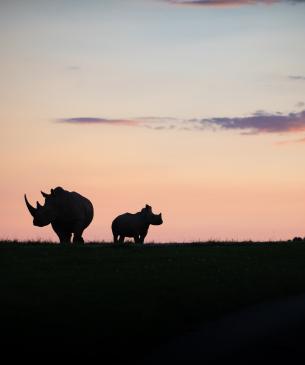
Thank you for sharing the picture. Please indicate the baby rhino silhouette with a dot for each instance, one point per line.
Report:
(134, 225)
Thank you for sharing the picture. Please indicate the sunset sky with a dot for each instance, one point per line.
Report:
(196, 108)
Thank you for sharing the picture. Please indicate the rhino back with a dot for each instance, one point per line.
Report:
(129, 225)
(72, 206)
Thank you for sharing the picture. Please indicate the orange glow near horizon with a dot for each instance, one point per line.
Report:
(198, 214)
(199, 196)
(205, 200)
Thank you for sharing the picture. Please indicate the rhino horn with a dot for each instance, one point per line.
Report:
(38, 205)
(31, 209)
(45, 195)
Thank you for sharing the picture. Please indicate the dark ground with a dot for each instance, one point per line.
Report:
(266, 333)
(195, 304)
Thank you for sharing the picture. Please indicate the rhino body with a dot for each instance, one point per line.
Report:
(134, 225)
(67, 212)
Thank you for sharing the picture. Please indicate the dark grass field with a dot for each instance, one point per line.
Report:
(125, 303)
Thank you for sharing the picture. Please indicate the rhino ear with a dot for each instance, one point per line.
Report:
(148, 207)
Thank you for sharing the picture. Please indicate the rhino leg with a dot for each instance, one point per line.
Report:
(64, 237)
(142, 238)
(63, 234)
(78, 229)
(78, 239)
(121, 239)
(115, 238)
(137, 239)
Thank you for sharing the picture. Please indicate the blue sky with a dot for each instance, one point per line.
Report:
(189, 60)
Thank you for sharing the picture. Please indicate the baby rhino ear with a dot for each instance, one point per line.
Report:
(148, 207)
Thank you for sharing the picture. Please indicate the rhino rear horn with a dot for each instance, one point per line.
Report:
(31, 209)
(45, 195)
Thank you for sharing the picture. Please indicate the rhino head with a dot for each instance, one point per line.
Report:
(43, 214)
(151, 218)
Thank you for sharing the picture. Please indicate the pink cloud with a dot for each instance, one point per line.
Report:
(90, 120)
(226, 3)
(259, 122)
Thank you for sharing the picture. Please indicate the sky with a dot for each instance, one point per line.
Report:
(196, 108)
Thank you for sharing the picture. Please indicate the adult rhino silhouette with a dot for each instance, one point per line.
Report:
(134, 225)
(68, 212)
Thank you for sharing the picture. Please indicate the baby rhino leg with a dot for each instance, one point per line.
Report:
(78, 231)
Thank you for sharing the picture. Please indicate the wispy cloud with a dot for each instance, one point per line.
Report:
(298, 141)
(73, 68)
(227, 3)
(258, 123)
(89, 120)
(297, 77)
(300, 104)
(157, 123)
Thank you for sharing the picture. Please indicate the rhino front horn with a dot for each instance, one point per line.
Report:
(31, 209)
